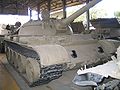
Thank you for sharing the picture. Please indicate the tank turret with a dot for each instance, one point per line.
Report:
(44, 49)
(53, 26)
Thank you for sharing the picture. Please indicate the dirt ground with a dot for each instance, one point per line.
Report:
(7, 82)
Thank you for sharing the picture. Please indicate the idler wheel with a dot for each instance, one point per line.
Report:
(32, 70)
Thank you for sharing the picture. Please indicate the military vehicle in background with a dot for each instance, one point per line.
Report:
(46, 51)
(106, 28)
(3, 32)
(7, 30)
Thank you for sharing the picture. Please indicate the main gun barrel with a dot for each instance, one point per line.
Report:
(80, 11)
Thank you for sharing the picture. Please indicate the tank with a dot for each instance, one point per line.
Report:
(47, 51)
(6, 30)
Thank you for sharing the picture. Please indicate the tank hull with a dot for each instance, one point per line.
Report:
(50, 60)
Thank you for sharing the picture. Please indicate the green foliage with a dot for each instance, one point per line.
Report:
(94, 14)
(97, 13)
(117, 14)
(80, 18)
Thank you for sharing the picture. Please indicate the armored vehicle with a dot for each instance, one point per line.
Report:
(43, 50)
(7, 30)
(108, 28)
(3, 32)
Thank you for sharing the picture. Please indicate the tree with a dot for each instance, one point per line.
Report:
(117, 14)
(97, 13)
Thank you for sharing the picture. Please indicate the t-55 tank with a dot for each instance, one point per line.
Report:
(43, 50)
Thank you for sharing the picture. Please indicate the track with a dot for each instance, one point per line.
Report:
(23, 58)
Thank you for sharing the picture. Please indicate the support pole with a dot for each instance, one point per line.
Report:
(16, 7)
(30, 14)
(88, 17)
(64, 8)
(2, 7)
(49, 5)
(38, 10)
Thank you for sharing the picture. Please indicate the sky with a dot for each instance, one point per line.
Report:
(11, 19)
(110, 6)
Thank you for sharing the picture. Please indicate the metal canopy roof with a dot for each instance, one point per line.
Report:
(55, 4)
(20, 7)
(13, 7)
